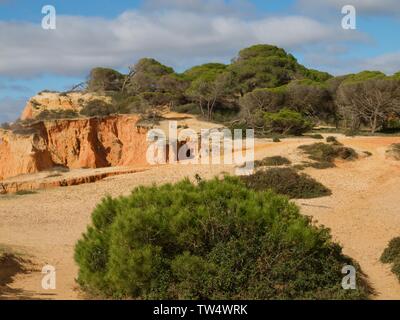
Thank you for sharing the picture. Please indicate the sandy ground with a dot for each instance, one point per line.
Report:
(363, 214)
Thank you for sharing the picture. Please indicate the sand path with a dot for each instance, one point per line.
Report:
(363, 214)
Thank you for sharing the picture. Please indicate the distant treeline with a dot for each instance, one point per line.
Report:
(263, 88)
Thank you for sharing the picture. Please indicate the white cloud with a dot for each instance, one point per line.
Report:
(388, 63)
(372, 7)
(213, 7)
(338, 65)
(176, 36)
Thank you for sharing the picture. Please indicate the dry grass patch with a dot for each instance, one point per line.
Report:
(325, 155)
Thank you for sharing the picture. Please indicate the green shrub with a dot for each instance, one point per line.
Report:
(272, 161)
(57, 114)
(213, 240)
(392, 252)
(99, 108)
(286, 181)
(276, 139)
(286, 121)
(190, 108)
(105, 79)
(396, 267)
(325, 154)
(331, 139)
(392, 255)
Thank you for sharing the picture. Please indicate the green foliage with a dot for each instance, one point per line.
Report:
(287, 122)
(190, 108)
(286, 181)
(262, 66)
(272, 161)
(99, 108)
(325, 154)
(266, 66)
(212, 240)
(57, 114)
(364, 76)
(392, 255)
(315, 75)
(210, 69)
(276, 139)
(392, 252)
(331, 139)
(149, 75)
(104, 79)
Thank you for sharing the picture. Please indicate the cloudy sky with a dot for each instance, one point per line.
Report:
(182, 33)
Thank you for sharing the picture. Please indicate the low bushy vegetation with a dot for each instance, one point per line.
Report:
(394, 151)
(392, 255)
(324, 154)
(57, 114)
(333, 140)
(286, 122)
(272, 161)
(25, 192)
(99, 108)
(286, 181)
(214, 240)
(10, 266)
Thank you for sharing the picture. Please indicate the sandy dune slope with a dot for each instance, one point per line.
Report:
(363, 214)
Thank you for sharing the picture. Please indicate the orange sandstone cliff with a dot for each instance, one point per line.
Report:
(55, 101)
(77, 143)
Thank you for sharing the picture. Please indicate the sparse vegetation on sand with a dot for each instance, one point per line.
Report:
(316, 136)
(286, 181)
(272, 161)
(25, 192)
(214, 240)
(332, 139)
(10, 265)
(324, 154)
(394, 151)
(392, 255)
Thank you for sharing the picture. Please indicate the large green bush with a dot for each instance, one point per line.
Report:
(286, 121)
(214, 240)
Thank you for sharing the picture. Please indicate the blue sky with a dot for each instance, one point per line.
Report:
(182, 33)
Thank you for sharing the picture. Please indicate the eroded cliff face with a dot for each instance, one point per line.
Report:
(79, 143)
(55, 101)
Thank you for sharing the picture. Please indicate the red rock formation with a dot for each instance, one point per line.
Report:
(79, 143)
